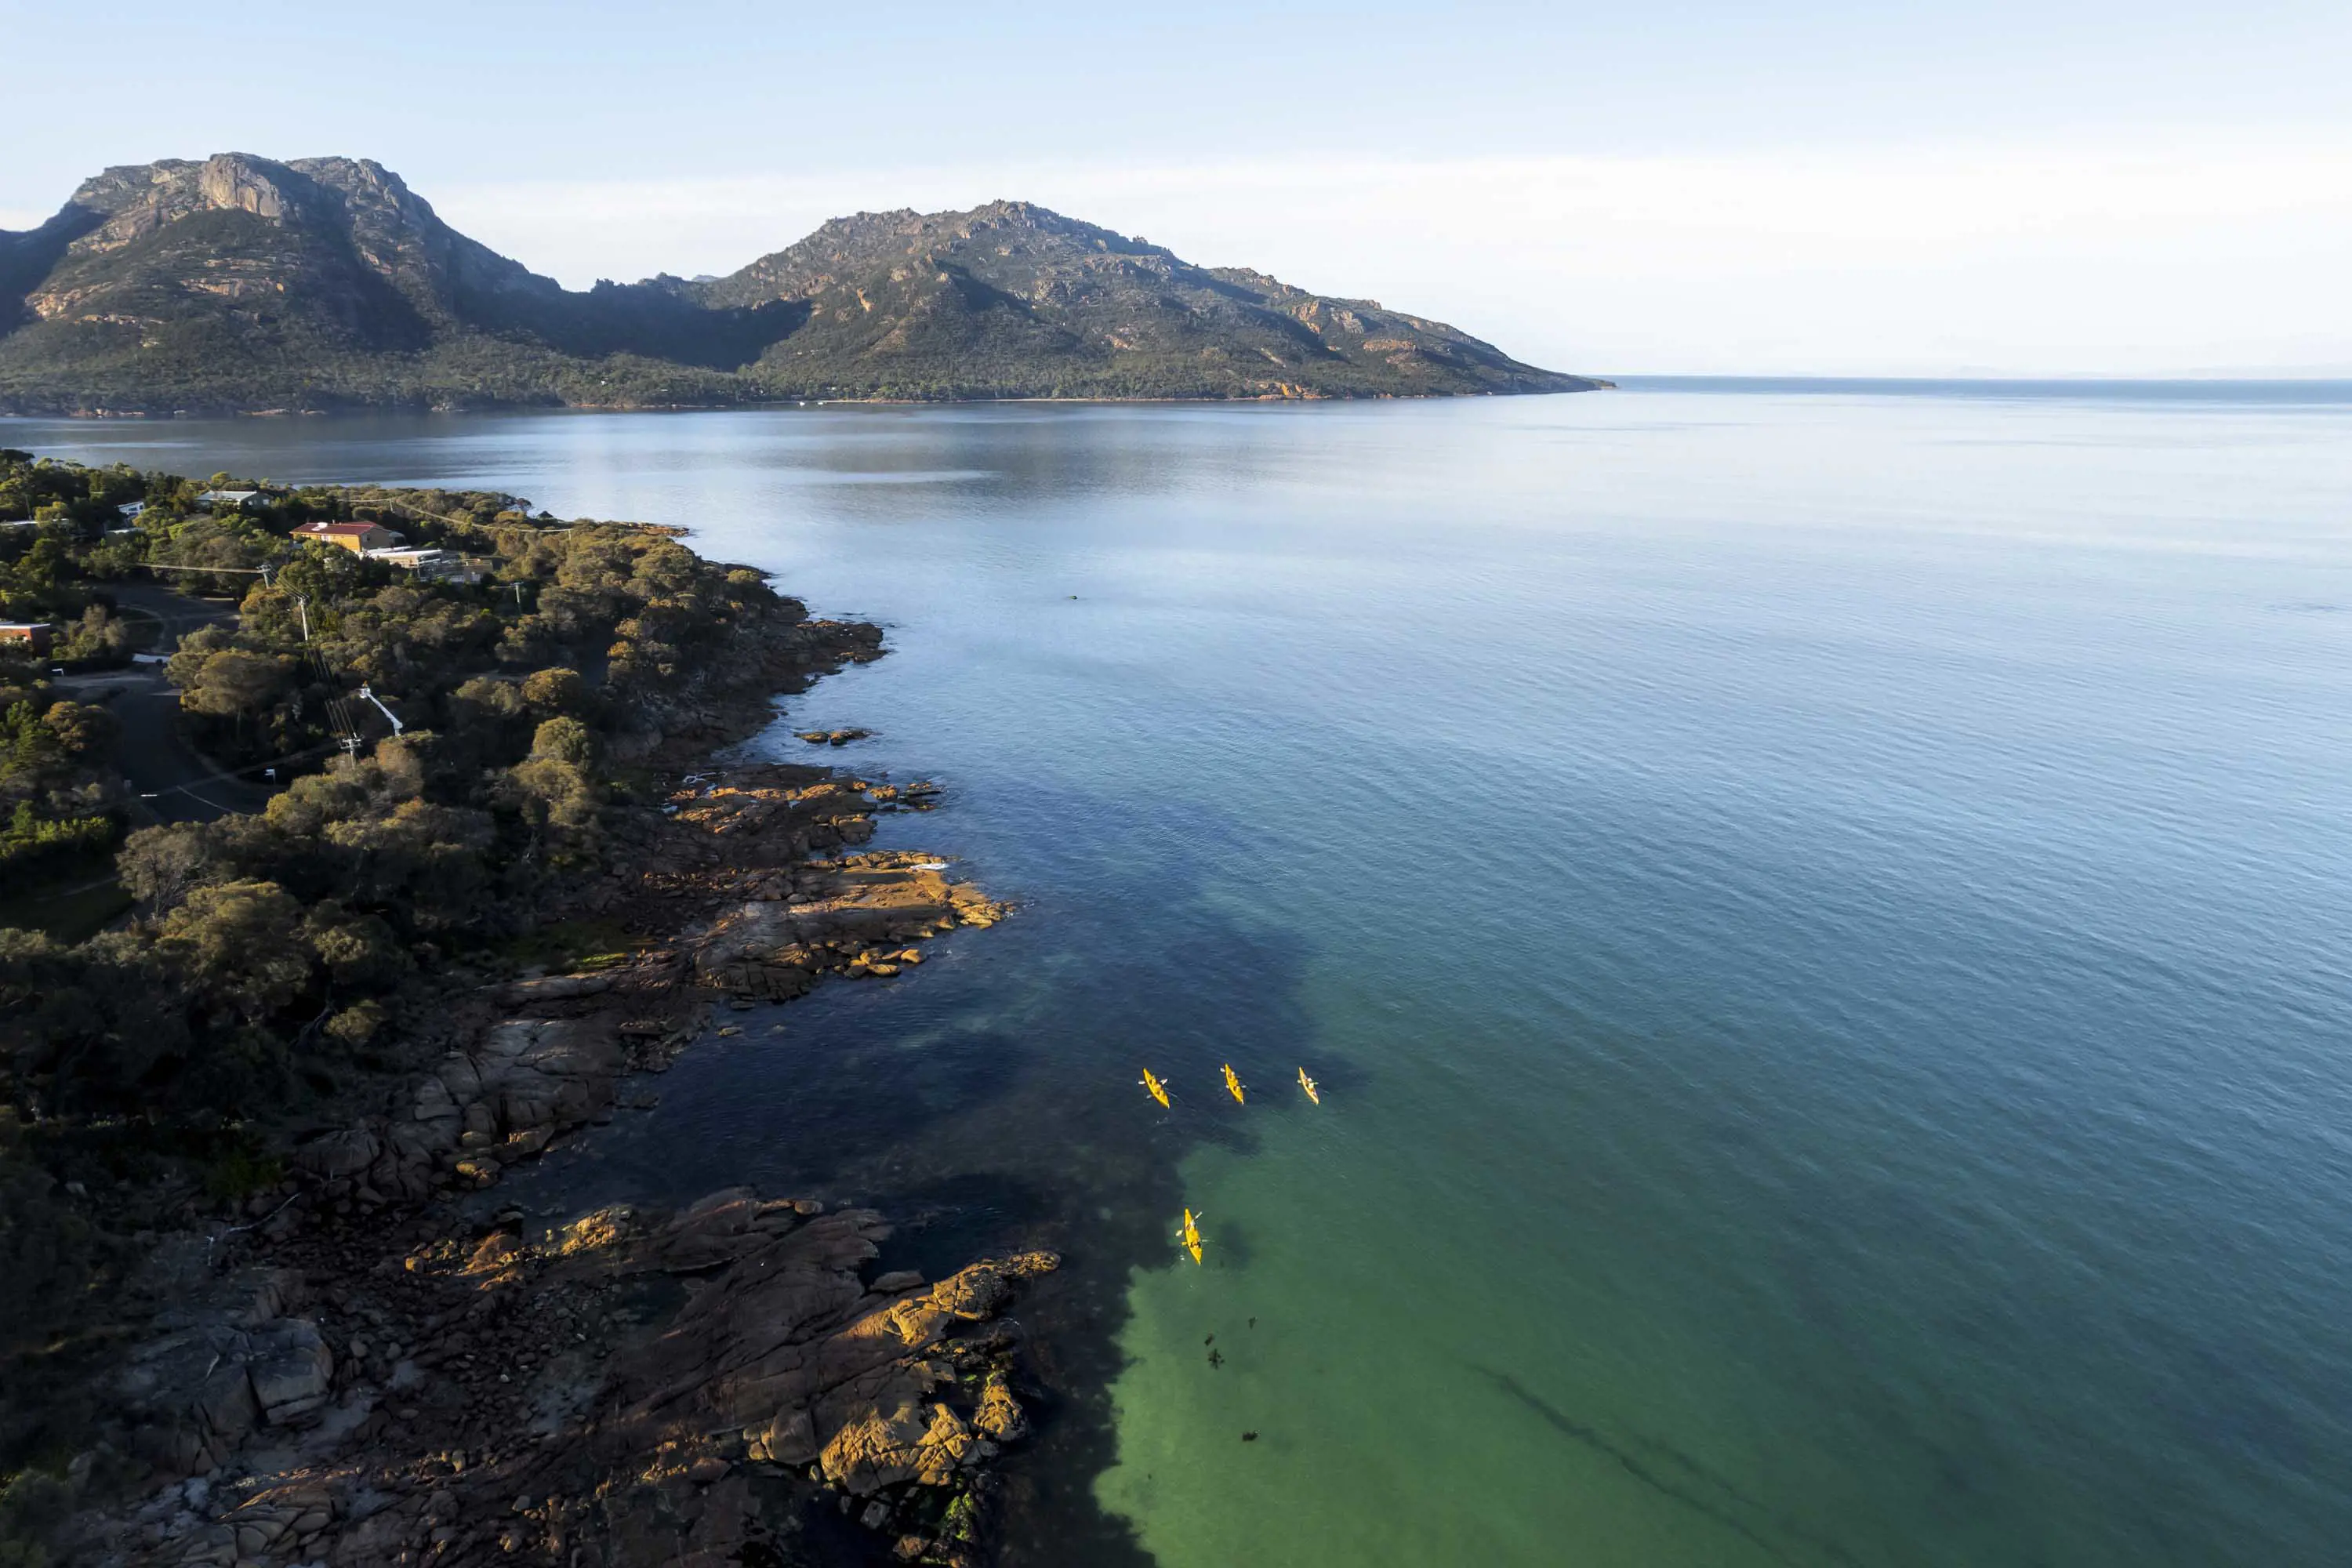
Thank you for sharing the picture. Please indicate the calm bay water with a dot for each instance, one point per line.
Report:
(1824, 921)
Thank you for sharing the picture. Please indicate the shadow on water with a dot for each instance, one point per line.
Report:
(1674, 1474)
(990, 1104)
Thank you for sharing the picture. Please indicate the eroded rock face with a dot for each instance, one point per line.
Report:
(789, 1348)
(657, 1386)
(197, 1393)
(1000, 1415)
(516, 1086)
(514, 1399)
(847, 917)
(526, 1078)
(291, 1369)
(547, 1059)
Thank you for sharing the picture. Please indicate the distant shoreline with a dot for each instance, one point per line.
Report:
(2317, 390)
(2282, 389)
(369, 410)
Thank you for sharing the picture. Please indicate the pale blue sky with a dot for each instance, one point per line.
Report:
(1687, 186)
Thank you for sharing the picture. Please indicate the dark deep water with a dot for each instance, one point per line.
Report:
(1821, 919)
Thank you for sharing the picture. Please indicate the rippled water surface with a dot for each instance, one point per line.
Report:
(1821, 920)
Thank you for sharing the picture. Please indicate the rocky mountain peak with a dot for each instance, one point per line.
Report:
(237, 179)
(134, 200)
(239, 280)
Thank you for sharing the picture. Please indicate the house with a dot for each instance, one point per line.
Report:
(359, 537)
(229, 501)
(128, 511)
(433, 565)
(35, 635)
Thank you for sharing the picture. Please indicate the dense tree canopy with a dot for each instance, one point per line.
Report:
(251, 981)
(271, 939)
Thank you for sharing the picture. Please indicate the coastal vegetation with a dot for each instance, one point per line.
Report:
(244, 284)
(242, 1298)
(261, 938)
(254, 975)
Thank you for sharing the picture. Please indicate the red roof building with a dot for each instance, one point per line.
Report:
(359, 537)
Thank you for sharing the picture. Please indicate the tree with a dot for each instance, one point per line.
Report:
(99, 1018)
(27, 836)
(239, 944)
(46, 568)
(82, 729)
(47, 1250)
(564, 740)
(95, 636)
(358, 949)
(232, 544)
(159, 864)
(555, 690)
(233, 683)
(552, 788)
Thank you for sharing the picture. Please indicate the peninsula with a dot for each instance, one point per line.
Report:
(239, 284)
(255, 1305)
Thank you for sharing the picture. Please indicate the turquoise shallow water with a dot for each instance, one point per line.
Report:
(1821, 920)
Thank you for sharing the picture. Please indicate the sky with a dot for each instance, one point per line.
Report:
(1693, 187)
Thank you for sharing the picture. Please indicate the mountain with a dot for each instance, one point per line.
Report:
(242, 284)
(1012, 300)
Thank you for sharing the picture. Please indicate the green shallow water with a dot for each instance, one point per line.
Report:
(1821, 920)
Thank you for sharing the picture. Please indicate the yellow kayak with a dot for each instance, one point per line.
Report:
(1232, 1084)
(1192, 1236)
(1153, 1086)
(1309, 1085)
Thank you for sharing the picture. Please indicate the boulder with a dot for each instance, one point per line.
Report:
(194, 1395)
(973, 1293)
(334, 1155)
(291, 1369)
(882, 1448)
(1000, 1416)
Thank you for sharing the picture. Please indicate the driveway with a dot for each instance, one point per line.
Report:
(171, 780)
(173, 613)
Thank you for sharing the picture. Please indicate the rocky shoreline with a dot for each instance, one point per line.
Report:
(368, 1366)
